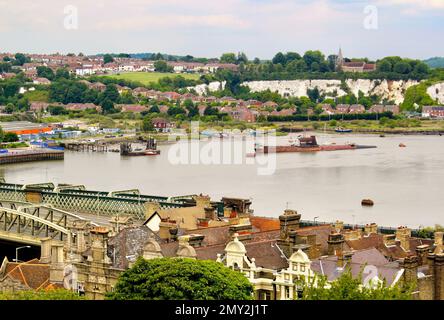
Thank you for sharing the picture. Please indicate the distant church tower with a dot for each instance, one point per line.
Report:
(339, 60)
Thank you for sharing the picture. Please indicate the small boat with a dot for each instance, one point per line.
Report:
(367, 202)
(343, 130)
(382, 135)
(402, 145)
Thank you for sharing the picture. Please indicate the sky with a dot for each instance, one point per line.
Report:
(208, 28)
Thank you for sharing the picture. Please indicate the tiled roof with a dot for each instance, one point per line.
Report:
(33, 274)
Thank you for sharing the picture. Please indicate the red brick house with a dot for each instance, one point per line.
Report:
(162, 125)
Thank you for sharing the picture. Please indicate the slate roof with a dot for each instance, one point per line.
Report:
(363, 260)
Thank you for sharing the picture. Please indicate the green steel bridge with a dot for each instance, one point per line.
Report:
(28, 223)
(76, 198)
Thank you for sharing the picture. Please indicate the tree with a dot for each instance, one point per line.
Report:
(147, 125)
(21, 59)
(111, 93)
(9, 108)
(228, 58)
(347, 287)
(45, 72)
(241, 58)
(108, 107)
(292, 56)
(62, 73)
(5, 67)
(211, 111)
(402, 67)
(57, 110)
(107, 58)
(279, 58)
(154, 109)
(311, 57)
(181, 279)
(173, 111)
(162, 66)
(10, 137)
(314, 94)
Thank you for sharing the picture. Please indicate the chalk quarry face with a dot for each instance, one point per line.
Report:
(390, 90)
(436, 92)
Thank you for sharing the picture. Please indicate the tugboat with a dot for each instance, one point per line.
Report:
(343, 130)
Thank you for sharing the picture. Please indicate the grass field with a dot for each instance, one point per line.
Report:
(147, 77)
(37, 95)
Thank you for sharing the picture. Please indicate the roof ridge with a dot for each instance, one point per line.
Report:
(23, 276)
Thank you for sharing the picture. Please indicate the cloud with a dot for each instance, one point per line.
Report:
(415, 4)
(171, 21)
(209, 28)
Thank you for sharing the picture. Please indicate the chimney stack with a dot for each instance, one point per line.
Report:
(421, 252)
(371, 228)
(335, 244)
(338, 226)
(389, 240)
(345, 258)
(403, 235)
(439, 247)
(289, 221)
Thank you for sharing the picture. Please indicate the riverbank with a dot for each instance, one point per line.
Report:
(397, 127)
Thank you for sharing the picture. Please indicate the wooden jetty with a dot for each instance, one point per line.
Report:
(93, 147)
(31, 155)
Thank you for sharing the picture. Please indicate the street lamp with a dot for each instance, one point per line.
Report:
(16, 252)
(314, 220)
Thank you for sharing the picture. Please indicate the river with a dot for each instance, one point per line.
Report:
(406, 184)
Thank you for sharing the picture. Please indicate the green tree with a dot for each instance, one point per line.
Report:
(181, 279)
(347, 287)
(57, 110)
(162, 66)
(241, 58)
(45, 72)
(311, 57)
(62, 73)
(173, 111)
(10, 137)
(384, 66)
(108, 107)
(228, 58)
(402, 67)
(21, 59)
(147, 125)
(107, 58)
(154, 109)
(111, 93)
(279, 58)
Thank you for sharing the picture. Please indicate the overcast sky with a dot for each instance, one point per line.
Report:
(207, 28)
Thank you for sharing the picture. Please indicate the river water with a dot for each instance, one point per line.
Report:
(406, 184)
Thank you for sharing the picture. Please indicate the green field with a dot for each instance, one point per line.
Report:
(147, 77)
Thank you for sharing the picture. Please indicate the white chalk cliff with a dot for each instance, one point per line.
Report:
(436, 92)
(386, 89)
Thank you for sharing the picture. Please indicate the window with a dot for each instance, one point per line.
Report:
(302, 267)
(295, 267)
